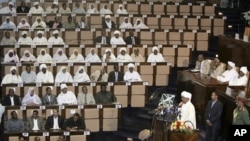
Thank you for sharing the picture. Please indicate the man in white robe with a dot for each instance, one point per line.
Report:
(55, 39)
(36, 9)
(44, 57)
(202, 65)
(31, 98)
(137, 56)
(64, 9)
(53, 8)
(63, 76)
(10, 9)
(66, 97)
(92, 56)
(126, 24)
(105, 10)
(24, 39)
(7, 39)
(81, 75)
(123, 56)
(40, 39)
(230, 74)
(121, 10)
(78, 9)
(44, 76)
(116, 39)
(187, 110)
(28, 76)
(12, 77)
(76, 56)
(7, 24)
(132, 75)
(155, 56)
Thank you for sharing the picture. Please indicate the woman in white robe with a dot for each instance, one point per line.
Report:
(11, 57)
(105, 10)
(108, 56)
(27, 57)
(121, 10)
(40, 39)
(44, 57)
(38, 23)
(131, 75)
(123, 56)
(60, 56)
(92, 56)
(63, 76)
(23, 24)
(7, 24)
(81, 75)
(155, 56)
(139, 24)
(126, 24)
(12, 77)
(92, 9)
(31, 98)
(76, 56)
(99, 75)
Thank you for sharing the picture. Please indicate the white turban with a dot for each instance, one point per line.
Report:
(108, 50)
(42, 66)
(36, 3)
(244, 69)
(39, 32)
(155, 48)
(107, 17)
(63, 86)
(123, 48)
(131, 65)
(11, 3)
(55, 2)
(50, 87)
(12, 68)
(186, 94)
(24, 32)
(230, 63)
(117, 32)
(55, 32)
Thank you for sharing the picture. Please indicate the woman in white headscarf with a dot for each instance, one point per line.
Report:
(60, 56)
(92, 9)
(24, 39)
(11, 57)
(126, 24)
(108, 56)
(63, 76)
(139, 24)
(92, 56)
(105, 10)
(23, 24)
(31, 98)
(27, 57)
(8, 24)
(76, 56)
(44, 57)
(38, 23)
(121, 10)
(81, 75)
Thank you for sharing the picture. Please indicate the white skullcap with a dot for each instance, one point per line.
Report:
(230, 63)
(108, 50)
(50, 87)
(123, 48)
(117, 32)
(42, 66)
(36, 3)
(24, 32)
(11, 3)
(14, 89)
(55, 32)
(131, 65)
(8, 17)
(244, 69)
(55, 2)
(155, 48)
(39, 32)
(107, 17)
(12, 68)
(186, 94)
(63, 86)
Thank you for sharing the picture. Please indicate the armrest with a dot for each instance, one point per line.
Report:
(238, 87)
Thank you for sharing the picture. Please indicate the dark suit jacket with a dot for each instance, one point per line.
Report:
(6, 100)
(104, 25)
(50, 122)
(80, 124)
(98, 40)
(111, 77)
(128, 40)
(50, 24)
(214, 114)
(30, 123)
(20, 10)
(45, 100)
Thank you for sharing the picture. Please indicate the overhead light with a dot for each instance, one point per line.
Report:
(220, 13)
(229, 26)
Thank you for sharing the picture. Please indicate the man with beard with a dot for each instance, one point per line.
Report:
(44, 76)
(55, 39)
(14, 123)
(24, 40)
(11, 99)
(49, 98)
(12, 77)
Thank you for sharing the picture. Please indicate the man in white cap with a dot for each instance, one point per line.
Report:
(7, 24)
(230, 74)
(53, 8)
(155, 56)
(12, 77)
(132, 75)
(7, 39)
(55, 39)
(40, 39)
(123, 56)
(66, 97)
(187, 110)
(36, 9)
(108, 23)
(8, 9)
(44, 76)
(116, 39)
(240, 81)
(24, 39)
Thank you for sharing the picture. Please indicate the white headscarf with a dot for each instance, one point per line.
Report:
(27, 59)
(112, 56)
(92, 57)
(25, 25)
(29, 100)
(81, 77)
(42, 24)
(46, 58)
(105, 10)
(92, 10)
(78, 58)
(60, 58)
(8, 25)
(8, 59)
(126, 24)
(63, 77)
(121, 11)
(141, 25)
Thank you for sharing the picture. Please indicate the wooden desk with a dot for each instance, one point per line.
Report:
(201, 87)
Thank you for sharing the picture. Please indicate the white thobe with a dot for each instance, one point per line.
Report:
(46, 58)
(6, 10)
(78, 58)
(134, 76)
(33, 10)
(8, 25)
(117, 41)
(81, 77)
(124, 58)
(42, 24)
(228, 75)
(105, 11)
(79, 10)
(126, 25)
(24, 41)
(92, 11)
(64, 11)
(241, 81)
(51, 10)
(2, 110)
(123, 11)
(30, 100)
(155, 58)
(9, 78)
(112, 58)
(66, 98)
(8, 41)
(55, 41)
(85, 98)
(40, 41)
(92, 58)
(45, 77)
(187, 112)
(63, 77)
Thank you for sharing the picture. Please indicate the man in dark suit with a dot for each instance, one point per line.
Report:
(35, 122)
(115, 75)
(75, 123)
(11, 99)
(108, 23)
(54, 121)
(22, 8)
(48, 98)
(102, 39)
(132, 40)
(54, 24)
(213, 118)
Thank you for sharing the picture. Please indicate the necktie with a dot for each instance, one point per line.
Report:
(212, 105)
(133, 40)
(116, 76)
(103, 40)
(85, 98)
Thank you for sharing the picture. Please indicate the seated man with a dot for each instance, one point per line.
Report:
(136, 56)
(22, 8)
(131, 75)
(10, 9)
(28, 76)
(66, 97)
(49, 98)
(70, 24)
(115, 75)
(39, 23)
(40, 39)
(230, 74)
(75, 122)
(116, 39)
(78, 9)
(44, 57)
(155, 56)
(123, 56)
(54, 121)
(108, 23)
(132, 39)
(54, 24)
(92, 56)
(85, 97)
(24, 39)
(36, 9)
(12, 77)
(202, 65)
(8, 24)
(99, 75)
(216, 68)
(11, 99)
(7, 39)
(35, 122)
(53, 8)
(55, 39)
(31, 98)
(14, 123)
(108, 56)
(76, 56)
(64, 9)
(104, 96)
(102, 39)
(44, 76)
